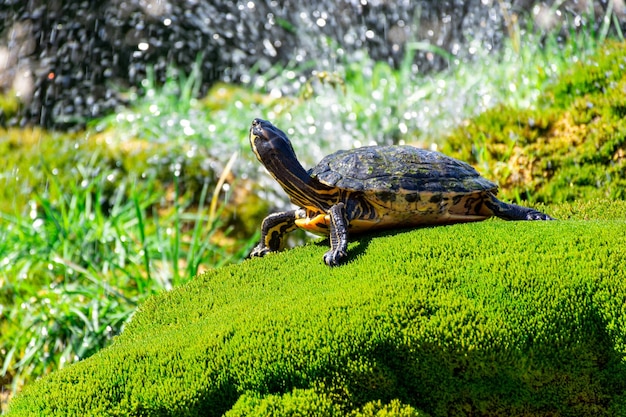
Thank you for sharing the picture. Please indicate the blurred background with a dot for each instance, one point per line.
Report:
(126, 168)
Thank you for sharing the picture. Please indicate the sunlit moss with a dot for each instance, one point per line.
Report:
(572, 146)
(494, 318)
(316, 402)
(296, 403)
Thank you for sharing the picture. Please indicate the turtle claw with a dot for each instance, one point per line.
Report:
(259, 251)
(537, 215)
(334, 257)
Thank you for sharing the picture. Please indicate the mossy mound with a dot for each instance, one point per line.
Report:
(572, 146)
(494, 318)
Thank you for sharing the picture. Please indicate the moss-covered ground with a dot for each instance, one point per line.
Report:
(494, 318)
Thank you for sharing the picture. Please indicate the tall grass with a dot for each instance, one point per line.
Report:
(92, 242)
(74, 270)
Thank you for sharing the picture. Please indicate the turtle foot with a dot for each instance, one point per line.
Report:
(537, 215)
(259, 251)
(334, 257)
(513, 211)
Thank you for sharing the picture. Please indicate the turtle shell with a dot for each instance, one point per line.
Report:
(399, 170)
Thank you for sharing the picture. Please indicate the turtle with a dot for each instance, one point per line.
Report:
(370, 188)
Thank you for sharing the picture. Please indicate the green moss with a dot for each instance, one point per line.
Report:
(493, 318)
(299, 402)
(572, 146)
(312, 403)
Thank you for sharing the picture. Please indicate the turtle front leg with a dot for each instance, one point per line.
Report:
(338, 236)
(513, 211)
(273, 231)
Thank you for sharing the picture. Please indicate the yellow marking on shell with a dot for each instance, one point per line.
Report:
(357, 226)
(320, 224)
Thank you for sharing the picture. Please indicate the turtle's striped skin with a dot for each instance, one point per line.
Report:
(373, 187)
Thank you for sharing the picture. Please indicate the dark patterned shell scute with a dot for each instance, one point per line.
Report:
(398, 169)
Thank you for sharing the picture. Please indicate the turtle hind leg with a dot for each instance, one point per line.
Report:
(508, 211)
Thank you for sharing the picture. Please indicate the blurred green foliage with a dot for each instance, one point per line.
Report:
(497, 318)
(36, 157)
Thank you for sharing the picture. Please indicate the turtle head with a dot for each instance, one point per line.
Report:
(270, 144)
(273, 149)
